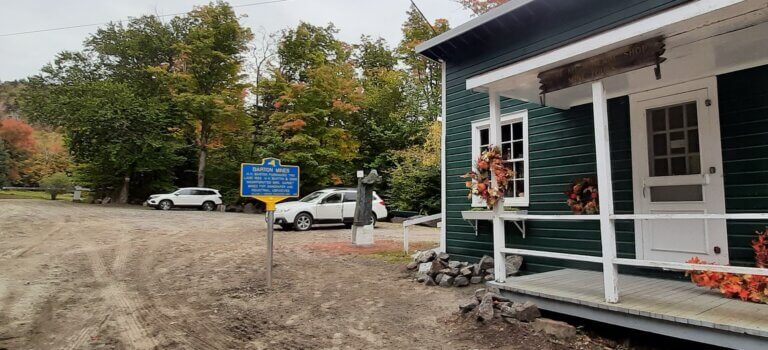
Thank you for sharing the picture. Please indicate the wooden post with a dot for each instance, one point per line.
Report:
(406, 231)
(499, 241)
(605, 184)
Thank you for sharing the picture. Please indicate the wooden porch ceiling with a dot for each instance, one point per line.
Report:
(668, 301)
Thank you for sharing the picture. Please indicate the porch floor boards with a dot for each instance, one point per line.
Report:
(674, 301)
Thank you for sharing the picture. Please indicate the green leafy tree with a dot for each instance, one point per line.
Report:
(307, 47)
(56, 184)
(416, 177)
(5, 164)
(479, 7)
(206, 80)
(424, 75)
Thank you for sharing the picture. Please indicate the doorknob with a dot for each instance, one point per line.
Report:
(717, 250)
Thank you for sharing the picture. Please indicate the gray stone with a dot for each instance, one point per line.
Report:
(424, 268)
(475, 279)
(507, 310)
(443, 256)
(493, 289)
(426, 256)
(460, 281)
(468, 305)
(479, 294)
(446, 281)
(412, 265)
(485, 308)
(513, 263)
(249, 208)
(429, 281)
(488, 277)
(422, 278)
(466, 271)
(489, 271)
(438, 277)
(558, 329)
(486, 262)
(464, 264)
(436, 266)
(454, 264)
(526, 312)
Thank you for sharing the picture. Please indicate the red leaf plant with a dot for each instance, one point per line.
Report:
(752, 288)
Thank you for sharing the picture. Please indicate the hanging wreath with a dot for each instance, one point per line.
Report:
(582, 196)
(489, 162)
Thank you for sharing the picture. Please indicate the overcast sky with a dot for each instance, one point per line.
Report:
(24, 55)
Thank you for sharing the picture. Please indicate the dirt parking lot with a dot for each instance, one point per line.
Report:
(78, 276)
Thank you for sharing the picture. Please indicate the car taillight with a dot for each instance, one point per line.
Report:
(381, 202)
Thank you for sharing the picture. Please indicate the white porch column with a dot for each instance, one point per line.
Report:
(499, 241)
(443, 172)
(605, 185)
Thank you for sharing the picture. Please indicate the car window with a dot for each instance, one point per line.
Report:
(332, 198)
(186, 192)
(312, 196)
(204, 192)
(350, 196)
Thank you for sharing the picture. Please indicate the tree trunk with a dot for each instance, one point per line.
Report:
(203, 154)
(123, 197)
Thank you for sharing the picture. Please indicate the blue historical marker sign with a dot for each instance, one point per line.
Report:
(270, 178)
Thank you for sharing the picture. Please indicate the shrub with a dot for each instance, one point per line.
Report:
(56, 184)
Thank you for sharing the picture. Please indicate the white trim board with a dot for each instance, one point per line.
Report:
(505, 119)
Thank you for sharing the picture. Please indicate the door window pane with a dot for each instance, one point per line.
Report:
(333, 198)
(684, 193)
(484, 137)
(506, 133)
(517, 131)
(350, 196)
(673, 140)
(517, 150)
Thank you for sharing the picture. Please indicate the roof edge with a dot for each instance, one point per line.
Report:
(472, 24)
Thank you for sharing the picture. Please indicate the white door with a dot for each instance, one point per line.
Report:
(677, 168)
(329, 209)
(184, 197)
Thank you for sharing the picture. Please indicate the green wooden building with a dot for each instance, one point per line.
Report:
(663, 102)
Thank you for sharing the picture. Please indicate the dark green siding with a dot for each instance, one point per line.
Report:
(743, 98)
(561, 143)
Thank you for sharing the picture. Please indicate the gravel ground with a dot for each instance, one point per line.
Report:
(78, 276)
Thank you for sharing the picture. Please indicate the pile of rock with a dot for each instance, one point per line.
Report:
(438, 269)
(488, 304)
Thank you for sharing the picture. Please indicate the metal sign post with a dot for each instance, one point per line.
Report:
(269, 182)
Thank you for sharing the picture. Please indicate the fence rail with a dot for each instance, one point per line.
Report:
(420, 220)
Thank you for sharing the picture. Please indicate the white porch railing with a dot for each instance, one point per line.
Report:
(420, 220)
(607, 217)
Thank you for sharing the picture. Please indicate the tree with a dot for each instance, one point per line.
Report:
(56, 184)
(308, 47)
(416, 177)
(478, 7)
(424, 75)
(19, 144)
(5, 164)
(49, 157)
(206, 80)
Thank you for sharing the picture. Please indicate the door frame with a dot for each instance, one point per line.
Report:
(714, 148)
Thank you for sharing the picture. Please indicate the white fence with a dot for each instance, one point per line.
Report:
(420, 220)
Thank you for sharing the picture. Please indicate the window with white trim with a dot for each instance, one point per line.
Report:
(514, 151)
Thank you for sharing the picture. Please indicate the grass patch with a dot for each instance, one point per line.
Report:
(20, 194)
(387, 250)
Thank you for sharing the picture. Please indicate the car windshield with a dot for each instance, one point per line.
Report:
(312, 197)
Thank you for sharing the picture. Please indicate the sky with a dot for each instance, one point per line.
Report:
(23, 55)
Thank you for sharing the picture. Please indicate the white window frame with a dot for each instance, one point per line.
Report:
(508, 118)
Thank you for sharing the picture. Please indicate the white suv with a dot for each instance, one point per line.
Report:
(328, 206)
(190, 197)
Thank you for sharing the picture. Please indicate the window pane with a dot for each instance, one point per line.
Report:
(517, 131)
(676, 193)
(350, 196)
(660, 167)
(678, 166)
(519, 169)
(676, 117)
(695, 164)
(511, 167)
(517, 149)
(506, 133)
(677, 142)
(658, 120)
(484, 137)
(506, 151)
(659, 145)
(334, 198)
(691, 115)
(693, 141)
(519, 188)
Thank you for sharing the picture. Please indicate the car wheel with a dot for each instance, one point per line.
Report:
(302, 222)
(165, 204)
(209, 206)
(372, 220)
